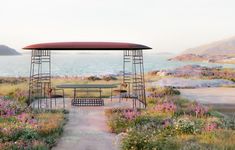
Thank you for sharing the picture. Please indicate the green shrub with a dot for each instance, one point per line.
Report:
(29, 134)
(149, 140)
(93, 78)
(19, 95)
(163, 91)
(189, 126)
(118, 123)
(109, 78)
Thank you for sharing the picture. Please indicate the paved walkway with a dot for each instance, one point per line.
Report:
(87, 129)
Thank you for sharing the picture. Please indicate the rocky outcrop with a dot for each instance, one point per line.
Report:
(191, 83)
(189, 57)
(200, 72)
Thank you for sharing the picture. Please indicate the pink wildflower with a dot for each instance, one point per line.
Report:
(211, 127)
(199, 109)
(165, 107)
(131, 114)
(166, 123)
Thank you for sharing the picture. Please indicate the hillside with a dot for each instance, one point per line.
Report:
(223, 47)
(5, 50)
(218, 52)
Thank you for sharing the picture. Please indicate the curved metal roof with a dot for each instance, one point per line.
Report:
(86, 46)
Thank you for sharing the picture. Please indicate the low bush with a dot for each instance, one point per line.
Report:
(18, 95)
(120, 119)
(93, 78)
(162, 91)
(109, 78)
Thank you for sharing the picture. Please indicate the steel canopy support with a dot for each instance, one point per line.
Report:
(40, 76)
(133, 76)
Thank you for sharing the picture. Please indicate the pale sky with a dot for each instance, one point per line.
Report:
(164, 25)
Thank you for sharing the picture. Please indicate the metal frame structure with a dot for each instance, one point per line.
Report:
(40, 76)
(40, 68)
(133, 76)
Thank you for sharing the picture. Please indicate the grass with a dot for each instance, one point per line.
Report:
(8, 88)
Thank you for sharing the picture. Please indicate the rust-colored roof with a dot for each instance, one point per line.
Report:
(86, 46)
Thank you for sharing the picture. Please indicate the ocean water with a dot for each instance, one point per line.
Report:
(80, 64)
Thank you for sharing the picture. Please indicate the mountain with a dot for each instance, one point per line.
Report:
(216, 52)
(5, 50)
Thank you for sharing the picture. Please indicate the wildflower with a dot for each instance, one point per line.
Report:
(211, 126)
(199, 109)
(166, 123)
(130, 114)
(165, 107)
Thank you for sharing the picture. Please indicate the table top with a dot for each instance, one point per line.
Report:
(75, 86)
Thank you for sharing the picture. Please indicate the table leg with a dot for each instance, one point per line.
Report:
(74, 94)
(111, 94)
(100, 93)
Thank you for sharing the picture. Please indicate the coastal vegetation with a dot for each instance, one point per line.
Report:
(24, 128)
(171, 122)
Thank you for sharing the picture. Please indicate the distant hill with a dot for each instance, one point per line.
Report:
(217, 52)
(5, 50)
(223, 47)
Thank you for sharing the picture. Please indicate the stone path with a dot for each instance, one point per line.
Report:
(87, 129)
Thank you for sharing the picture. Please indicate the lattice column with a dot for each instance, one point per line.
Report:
(40, 75)
(138, 82)
(133, 75)
(127, 69)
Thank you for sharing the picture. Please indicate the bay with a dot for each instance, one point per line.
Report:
(85, 64)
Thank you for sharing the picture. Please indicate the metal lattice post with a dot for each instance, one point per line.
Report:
(40, 76)
(133, 75)
(127, 73)
(138, 82)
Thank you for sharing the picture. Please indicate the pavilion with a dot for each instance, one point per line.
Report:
(133, 68)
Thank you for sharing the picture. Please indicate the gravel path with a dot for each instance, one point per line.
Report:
(220, 95)
(221, 99)
(191, 83)
(87, 129)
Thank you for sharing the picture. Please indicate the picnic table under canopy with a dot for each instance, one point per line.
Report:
(132, 74)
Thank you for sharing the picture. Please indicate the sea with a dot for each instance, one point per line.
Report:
(86, 64)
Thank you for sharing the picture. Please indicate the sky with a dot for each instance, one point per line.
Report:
(165, 25)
